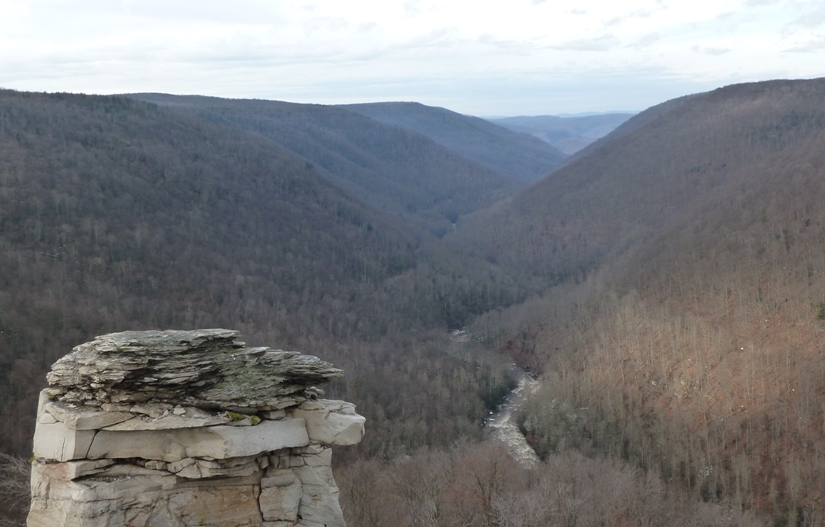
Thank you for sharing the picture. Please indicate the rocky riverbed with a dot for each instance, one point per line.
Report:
(502, 426)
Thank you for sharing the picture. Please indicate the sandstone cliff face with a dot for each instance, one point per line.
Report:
(186, 428)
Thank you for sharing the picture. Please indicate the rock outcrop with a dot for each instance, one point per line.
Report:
(186, 428)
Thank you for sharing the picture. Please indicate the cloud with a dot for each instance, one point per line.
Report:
(812, 46)
(710, 51)
(812, 19)
(602, 43)
(639, 13)
(646, 41)
(491, 40)
(758, 3)
(716, 51)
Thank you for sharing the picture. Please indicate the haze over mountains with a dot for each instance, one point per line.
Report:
(568, 133)
(517, 155)
(667, 280)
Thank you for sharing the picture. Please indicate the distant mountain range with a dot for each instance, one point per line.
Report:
(514, 154)
(569, 134)
(416, 175)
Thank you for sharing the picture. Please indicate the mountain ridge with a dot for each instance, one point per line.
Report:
(502, 150)
(392, 168)
(571, 133)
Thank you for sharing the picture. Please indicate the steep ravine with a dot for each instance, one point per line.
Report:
(502, 426)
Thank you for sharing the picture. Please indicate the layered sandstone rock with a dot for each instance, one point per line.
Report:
(186, 428)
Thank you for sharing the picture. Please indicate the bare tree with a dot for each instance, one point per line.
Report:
(14, 490)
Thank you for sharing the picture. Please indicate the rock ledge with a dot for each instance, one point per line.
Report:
(180, 428)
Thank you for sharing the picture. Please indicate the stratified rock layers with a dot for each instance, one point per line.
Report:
(186, 428)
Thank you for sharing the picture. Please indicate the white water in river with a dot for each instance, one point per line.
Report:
(501, 425)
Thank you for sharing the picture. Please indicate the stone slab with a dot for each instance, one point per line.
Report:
(74, 469)
(83, 418)
(169, 422)
(332, 422)
(280, 497)
(216, 442)
(216, 506)
(58, 442)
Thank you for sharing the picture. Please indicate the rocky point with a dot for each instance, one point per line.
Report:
(186, 428)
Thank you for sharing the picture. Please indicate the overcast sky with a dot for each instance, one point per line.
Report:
(514, 57)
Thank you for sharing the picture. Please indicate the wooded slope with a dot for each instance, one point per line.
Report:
(648, 170)
(117, 214)
(392, 169)
(685, 334)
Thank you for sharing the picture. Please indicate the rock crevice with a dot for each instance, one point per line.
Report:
(185, 428)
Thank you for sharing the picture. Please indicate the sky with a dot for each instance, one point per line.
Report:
(479, 57)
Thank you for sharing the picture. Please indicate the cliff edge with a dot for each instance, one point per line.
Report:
(187, 428)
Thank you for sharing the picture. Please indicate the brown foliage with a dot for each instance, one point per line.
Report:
(705, 360)
(479, 485)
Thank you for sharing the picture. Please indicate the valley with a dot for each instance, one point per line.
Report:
(663, 284)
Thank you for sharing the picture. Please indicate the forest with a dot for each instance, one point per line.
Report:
(665, 284)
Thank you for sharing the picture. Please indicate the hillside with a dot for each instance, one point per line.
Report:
(391, 169)
(619, 194)
(117, 214)
(686, 322)
(568, 134)
(515, 154)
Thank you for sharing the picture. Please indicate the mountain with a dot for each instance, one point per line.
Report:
(392, 169)
(119, 214)
(517, 155)
(622, 192)
(685, 323)
(568, 134)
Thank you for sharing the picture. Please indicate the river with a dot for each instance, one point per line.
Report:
(502, 426)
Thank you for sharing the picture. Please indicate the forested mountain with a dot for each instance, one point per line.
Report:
(515, 154)
(684, 329)
(118, 214)
(390, 168)
(568, 134)
(588, 212)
